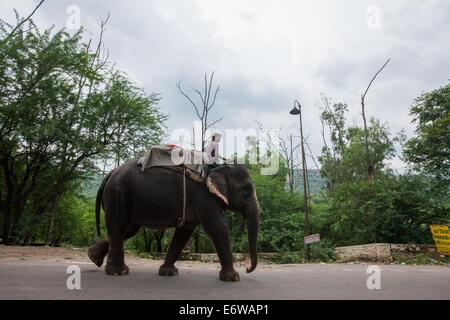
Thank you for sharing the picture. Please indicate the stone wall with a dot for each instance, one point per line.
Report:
(412, 249)
(381, 252)
(366, 252)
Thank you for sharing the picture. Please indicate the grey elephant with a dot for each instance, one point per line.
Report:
(154, 198)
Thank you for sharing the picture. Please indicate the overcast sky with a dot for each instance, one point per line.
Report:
(267, 53)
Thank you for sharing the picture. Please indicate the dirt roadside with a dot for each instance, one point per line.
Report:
(8, 253)
(51, 254)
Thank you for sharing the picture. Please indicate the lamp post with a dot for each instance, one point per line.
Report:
(297, 110)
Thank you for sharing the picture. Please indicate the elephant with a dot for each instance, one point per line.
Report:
(132, 198)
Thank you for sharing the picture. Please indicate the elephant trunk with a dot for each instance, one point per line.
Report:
(252, 226)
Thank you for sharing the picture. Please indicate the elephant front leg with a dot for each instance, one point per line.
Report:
(218, 231)
(179, 240)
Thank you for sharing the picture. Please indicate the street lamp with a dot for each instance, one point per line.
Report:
(297, 110)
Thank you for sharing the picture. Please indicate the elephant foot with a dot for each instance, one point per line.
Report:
(230, 275)
(98, 252)
(168, 271)
(116, 270)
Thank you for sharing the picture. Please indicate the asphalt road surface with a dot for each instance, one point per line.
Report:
(39, 279)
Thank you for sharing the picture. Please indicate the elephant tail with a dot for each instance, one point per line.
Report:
(98, 201)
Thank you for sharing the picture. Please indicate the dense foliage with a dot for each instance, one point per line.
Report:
(430, 148)
(388, 207)
(63, 108)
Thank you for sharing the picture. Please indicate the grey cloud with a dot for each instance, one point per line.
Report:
(160, 42)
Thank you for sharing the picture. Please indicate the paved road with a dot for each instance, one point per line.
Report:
(37, 279)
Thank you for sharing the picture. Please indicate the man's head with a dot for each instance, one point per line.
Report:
(216, 137)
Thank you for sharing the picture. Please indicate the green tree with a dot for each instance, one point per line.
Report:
(345, 159)
(63, 107)
(429, 150)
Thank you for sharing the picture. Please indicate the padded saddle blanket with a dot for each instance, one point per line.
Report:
(162, 156)
(178, 158)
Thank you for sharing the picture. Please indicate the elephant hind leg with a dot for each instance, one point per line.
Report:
(99, 250)
(116, 257)
(116, 263)
(132, 231)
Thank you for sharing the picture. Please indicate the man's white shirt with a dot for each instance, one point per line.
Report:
(209, 150)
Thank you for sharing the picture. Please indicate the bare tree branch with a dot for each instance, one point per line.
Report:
(22, 22)
(215, 97)
(374, 77)
(212, 124)
(209, 90)
(311, 155)
(187, 97)
(333, 118)
(370, 169)
(323, 134)
(206, 104)
(199, 94)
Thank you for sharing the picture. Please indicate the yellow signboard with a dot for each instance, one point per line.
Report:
(441, 237)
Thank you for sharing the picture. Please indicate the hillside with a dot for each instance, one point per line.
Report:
(316, 182)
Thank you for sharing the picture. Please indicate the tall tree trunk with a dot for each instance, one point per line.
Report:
(104, 168)
(196, 243)
(28, 238)
(147, 240)
(54, 213)
(188, 246)
(159, 237)
(17, 210)
(366, 142)
(291, 166)
(7, 215)
(6, 225)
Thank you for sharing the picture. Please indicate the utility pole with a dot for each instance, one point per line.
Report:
(298, 111)
(291, 166)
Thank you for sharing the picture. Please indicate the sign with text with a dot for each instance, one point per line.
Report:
(441, 237)
(312, 238)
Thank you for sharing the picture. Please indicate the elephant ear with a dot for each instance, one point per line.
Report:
(217, 184)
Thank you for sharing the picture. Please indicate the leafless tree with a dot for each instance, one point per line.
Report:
(340, 140)
(288, 155)
(370, 168)
(287, 150)
(207, 101)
